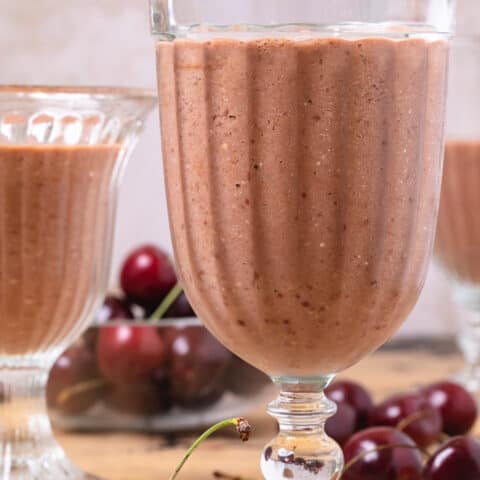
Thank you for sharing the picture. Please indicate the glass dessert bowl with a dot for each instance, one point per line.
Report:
(184, 380)
(62, 154)
(302, 165)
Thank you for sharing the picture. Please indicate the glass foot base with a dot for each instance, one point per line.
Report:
(28, 449)
(54, 466)
(305, 470)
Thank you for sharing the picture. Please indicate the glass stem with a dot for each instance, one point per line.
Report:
(468, 339)
(302, 449)
(25, 431)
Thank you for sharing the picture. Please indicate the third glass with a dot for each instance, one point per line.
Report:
(457, 246)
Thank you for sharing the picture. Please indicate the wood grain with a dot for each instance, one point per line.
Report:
(153, 457)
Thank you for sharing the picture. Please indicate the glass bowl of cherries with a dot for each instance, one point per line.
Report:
(147, 363)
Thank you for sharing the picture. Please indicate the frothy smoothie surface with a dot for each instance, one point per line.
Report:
(302, 182)
(458, 234)
(53, 212)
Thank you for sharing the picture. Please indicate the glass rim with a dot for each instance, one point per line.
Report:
(390, 29)
(41, 92)
(145, 322)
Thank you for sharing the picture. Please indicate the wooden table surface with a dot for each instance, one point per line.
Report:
(153, 457)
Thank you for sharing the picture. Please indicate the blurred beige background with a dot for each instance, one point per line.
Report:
(108, 42)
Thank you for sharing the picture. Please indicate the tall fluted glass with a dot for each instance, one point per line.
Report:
(457, 246)
(302, 146)
(62, 154)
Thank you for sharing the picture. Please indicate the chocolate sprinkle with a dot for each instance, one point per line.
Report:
(313, 466)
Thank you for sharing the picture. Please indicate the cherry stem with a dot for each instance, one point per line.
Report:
(242, 426)
(403, 424)
(443, 437)
(384, 447)
(166, 303)
(67, 393)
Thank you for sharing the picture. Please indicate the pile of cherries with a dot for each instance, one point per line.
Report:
(144, 369)
(389, 441)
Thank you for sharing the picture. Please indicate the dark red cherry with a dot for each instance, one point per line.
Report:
(76, 366)
(147, 276)
(456, 405)
(458, 459)
(356, 396)
(342, 425)
(420, 420)
(130, 353)
(198, 363)
(113, 308)
(401, 462)
(180, 308)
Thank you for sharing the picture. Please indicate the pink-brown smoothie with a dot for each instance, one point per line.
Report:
(458, 233)
(303, 184)
(53, 211)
